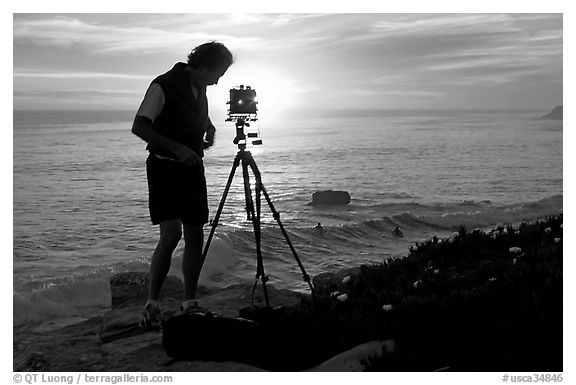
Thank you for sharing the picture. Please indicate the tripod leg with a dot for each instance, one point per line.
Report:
(247, 192)
(276, 215)
(221, 206)
(258, 234)
(255, 215)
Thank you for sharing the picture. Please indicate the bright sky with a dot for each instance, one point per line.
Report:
(296, 61)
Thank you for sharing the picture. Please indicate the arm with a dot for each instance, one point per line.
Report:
(210, 134)
(142, 127)
(149, 110)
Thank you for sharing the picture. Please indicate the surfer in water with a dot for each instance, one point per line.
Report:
(397, 232)
(173, 120)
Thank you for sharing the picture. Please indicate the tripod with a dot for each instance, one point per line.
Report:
(253, 213)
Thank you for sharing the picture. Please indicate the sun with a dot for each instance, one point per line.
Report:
(276, 93)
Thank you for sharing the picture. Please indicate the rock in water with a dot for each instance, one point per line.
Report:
(556, 113)
(330, 197)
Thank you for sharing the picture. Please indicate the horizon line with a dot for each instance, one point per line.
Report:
(58, 109)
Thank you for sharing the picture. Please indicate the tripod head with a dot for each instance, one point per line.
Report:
(243, 110)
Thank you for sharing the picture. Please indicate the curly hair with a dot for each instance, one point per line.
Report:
(210, 55)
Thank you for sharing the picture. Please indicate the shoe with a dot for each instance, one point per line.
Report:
(193, 308)
(150, 317)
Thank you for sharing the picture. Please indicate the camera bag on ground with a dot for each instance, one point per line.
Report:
(269, 341)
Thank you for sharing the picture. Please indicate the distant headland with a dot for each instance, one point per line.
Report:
(556, 113)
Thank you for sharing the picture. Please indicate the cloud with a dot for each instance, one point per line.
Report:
(396, 93)
(438, 25)
(75, 98)
(398, 56)
(291, 19)
(20, 73)
(101, 38)
(70, 92)
(389, 79)
(70, 98)
(397, 37)
(467, 49)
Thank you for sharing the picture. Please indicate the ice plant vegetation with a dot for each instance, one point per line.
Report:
(495, 304)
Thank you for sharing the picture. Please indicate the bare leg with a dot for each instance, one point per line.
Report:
(192, 259)
(170, 234)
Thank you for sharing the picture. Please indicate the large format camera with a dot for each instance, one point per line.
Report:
(242, 102)
(243, 110)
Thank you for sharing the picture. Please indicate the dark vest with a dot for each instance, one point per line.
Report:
(183, 118)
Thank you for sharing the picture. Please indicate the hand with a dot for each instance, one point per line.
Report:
(209, 139)
(188, 156)
(208, 142)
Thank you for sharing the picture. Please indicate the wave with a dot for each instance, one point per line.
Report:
(87, 292)
(232, 260)
(341, 237)
(374, 236)
(415, 220)
(426, 216)
(78, 298)
(482, 215)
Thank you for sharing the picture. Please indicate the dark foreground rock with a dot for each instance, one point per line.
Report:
(114, 341)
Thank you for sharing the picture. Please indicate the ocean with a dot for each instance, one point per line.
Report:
(81, 213)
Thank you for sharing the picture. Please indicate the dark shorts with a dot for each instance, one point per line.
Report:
(176, 191)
